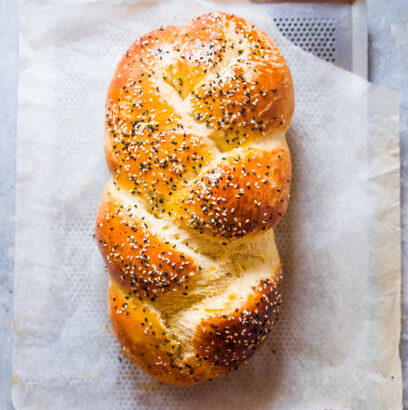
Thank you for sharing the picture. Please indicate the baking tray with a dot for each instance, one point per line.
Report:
(335, 30)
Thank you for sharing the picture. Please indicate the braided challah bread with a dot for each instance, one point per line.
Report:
(196, 117)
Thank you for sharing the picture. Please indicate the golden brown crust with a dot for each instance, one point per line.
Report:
(222, 342)
(194, 139)
(147, 342)
(238, 97)
(148, 148)
(138, 260)
(228, 339)
(243, 193)
(253, 95)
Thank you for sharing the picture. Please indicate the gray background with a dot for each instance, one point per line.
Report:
(388, 65)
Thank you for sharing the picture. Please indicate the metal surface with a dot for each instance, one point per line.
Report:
(335, 32)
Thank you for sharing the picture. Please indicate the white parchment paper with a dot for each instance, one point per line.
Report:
(336, 346)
